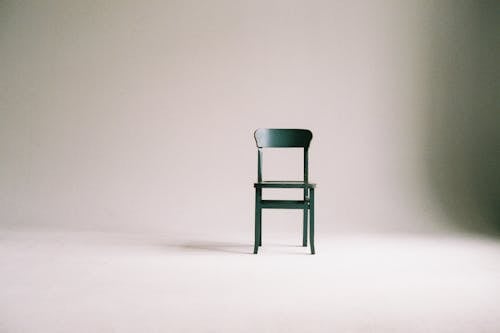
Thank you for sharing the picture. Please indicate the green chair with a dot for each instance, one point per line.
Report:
(284, 138)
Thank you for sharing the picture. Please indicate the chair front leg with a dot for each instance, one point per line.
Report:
(258, 220)
(260, 226)
(311, 217)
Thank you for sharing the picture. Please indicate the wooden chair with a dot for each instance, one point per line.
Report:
(284, 138)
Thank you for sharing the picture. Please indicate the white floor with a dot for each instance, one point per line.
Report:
(91, 282)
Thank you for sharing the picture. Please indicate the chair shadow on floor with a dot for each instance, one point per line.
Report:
(215, 246)
(227, 247)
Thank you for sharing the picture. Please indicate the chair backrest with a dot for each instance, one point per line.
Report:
(283, 138)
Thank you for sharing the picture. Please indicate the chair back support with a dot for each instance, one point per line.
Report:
(283, 138)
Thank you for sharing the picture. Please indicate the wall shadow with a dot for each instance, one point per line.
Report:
(462, 138)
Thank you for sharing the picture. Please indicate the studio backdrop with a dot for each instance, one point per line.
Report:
(139, 116)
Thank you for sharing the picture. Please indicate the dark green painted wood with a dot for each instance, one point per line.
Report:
(284, 138)
(304, 221)
(260, 228)
(288, 204)
(306, 165)
(258, 219)
(259, 191)
(259, 165)
(284, 184)
(311, 222)
(304, 228)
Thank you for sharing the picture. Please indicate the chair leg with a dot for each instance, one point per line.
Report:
(304, 228)
(260, 226)
(259, 194)
(304, 222)
(311, 222)
(258, 220)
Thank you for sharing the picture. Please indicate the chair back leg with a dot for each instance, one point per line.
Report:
(304, 223)
(304, 228)
(311, 218)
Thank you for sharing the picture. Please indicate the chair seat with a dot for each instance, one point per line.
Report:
(284, 184)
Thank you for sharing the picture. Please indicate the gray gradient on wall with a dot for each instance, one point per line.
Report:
(463, 131)
(139, 115)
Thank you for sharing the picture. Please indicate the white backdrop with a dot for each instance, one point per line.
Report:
(139, 116)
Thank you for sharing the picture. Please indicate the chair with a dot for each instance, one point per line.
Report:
(284, 138)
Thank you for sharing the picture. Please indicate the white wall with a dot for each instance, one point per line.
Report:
(139, 115)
